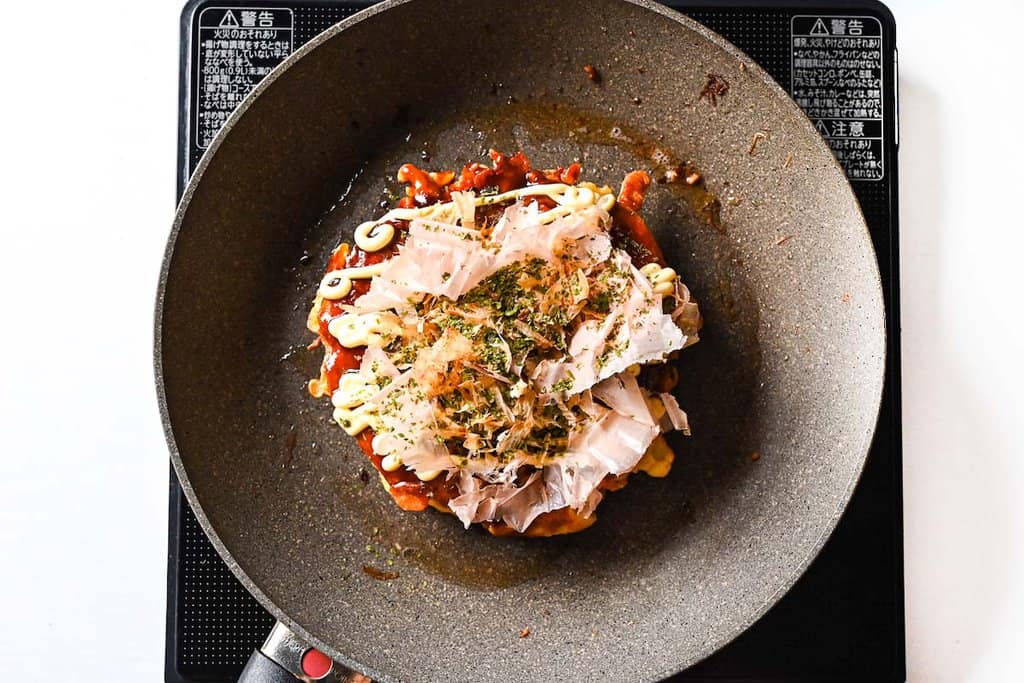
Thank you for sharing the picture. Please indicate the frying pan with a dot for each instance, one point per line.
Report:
(789, 367)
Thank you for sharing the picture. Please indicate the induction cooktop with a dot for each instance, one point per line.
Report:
(844, 619)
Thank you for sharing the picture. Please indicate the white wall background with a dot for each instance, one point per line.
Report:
(962, 220)
(87, 160)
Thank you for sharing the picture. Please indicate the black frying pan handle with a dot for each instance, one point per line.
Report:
(286, 658)
(263, 669)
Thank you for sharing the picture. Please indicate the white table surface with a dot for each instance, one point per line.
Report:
(88, 161)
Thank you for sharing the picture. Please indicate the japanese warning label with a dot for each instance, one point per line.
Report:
(837, 80)
(238, 46)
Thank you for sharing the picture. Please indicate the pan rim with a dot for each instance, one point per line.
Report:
(877, 371)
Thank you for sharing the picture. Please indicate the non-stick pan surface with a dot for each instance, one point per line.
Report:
(789, 366)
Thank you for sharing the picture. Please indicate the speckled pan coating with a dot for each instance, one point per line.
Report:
(790, 364)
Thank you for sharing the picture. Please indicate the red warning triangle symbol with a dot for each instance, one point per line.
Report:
(231, 21)
(819, 28)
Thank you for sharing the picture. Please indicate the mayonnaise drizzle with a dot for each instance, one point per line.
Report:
(361, 329)
(353, 390)
(662, 279)
(352, 421)
(375, 235)
(390, 463)
(338, 283)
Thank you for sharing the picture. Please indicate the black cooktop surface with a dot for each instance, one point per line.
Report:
(843, 620)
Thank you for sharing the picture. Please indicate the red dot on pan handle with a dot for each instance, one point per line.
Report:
(316, 664)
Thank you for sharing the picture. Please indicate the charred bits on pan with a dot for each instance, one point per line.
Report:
(714, 88)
